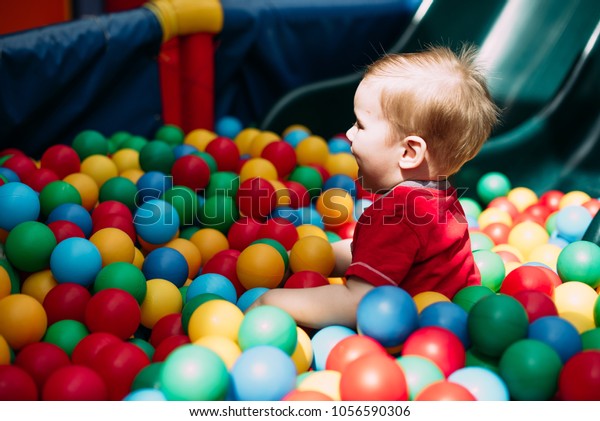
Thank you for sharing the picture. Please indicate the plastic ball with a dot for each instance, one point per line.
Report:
(468, 296)
(495, 322)
(557, 332)
(282, 155)
(156, 221)
(114, 245)
(228, 126)
(151, 185)
(306, 279)
(572, 222)
(249, 297)
(267, 325)
(295, 133)
(215, 317)
(162, 298)
(66, 334)
(336, 207)
(225, 153)
(170, 133)
(530, 369)
(84, 253)
(87, 188)
(145, 395)
(74, 213)
(38, 285)
(199, 138)
(263, 373)
(209, 241)
(66, 301)
(323, 342)
(306, 396)
(65, 229)
(40, 360)
(122, 275)
(419, 373)
(20, 165)
(186, 203)
(260, 265)
(522, 197)
(537, 304)
(580, 261)
(480, 241)
(312, 253)
(388, 315)
(580, 377)
(227, 349)
(22, 320)
(166, 263)
(223, 183)
(449, 316)
(326, 382)
(168, 325)
(280, 230)
(100, 168)
(526, 236)
(350, 349)
(29, 246)
(243, 232)
(491, 267)
(256, 198)
(573, 198)
(575, 302)
(439, 345)
(16, 384)
(483, 384)
(546, 254)
(126, 159)
(88, 348)
(219, 212)
(5, 283)
(113, 310)
(168, 345)
(18, 203)
(157, 155)
(471, 207)
(342, 163)
(89, 142)
(533, 278)
(191, 171)
(225, 263)
(148, 377)
(445, 390)
(492, 185)
(493, 215)
(309, 177)
(212, 283)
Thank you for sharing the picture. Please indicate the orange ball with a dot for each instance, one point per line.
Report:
(209, 241)
(5, 284)
(312, 253)
(162, 298)
(22, 320)
(261, 140)
(336, 206)
(38, 284)
(260, 265)
(522, 197)
(342, 163)
(87, 188)
(244, 139)
(126, 159)
(258, 167)
(101, 168)
(312, 150)
(114, 245)
(199, 138)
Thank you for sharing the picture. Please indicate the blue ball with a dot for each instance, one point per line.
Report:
(151, 185)
(341, 181)
(323, 342)
(337, 145)
(156, 221)
(484, 384)
(146, 394)
(308, 215)
(449, 316)
(228, 126)
(74, 213)
(183, 150)
(387, 314)
(262, 373)
(359, 207)
(9, 174)
(76, 260)
(572, 222)
(18, 203)
(212, 283)
(166, 263)
(284, 212)
(295, 136)
(557, 240)
(558, 333)
(249, 297)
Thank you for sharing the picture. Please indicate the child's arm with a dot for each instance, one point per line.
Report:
(343, 257)
(318, 307)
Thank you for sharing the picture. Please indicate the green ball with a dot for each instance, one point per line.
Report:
(597, 312)
(530, 368)
(194, 373)
(493, 185)
(148, 377)
(144, 346)
(136, 143)
(491, 267)
(190, 306)
(185, 202)
(332, 237)
(119, 189)
(471, 207)
(57, 193)
(420, 372)
(170, 134)
(590, 339)
(277, 246)
(580, 261)
(66, 334)
(551, 223)
(219, 212)
(475, 359)
(495, 322)
(157, 155)
(29, 246)
(187, 232)
(122, 275)
(468, 296)
(90, 142)
(208, 158)
(118, 138)
(309, 177)
(480, 241)
(268, 325)
(223, 183)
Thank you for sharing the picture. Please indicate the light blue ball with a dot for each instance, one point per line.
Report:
(213, 283)
(341, 181)
(166, 263)
(249, 297)
(572, 222)
(18, 203)
(323, 342)
(74, 213)
(228, 126)
(145, 395)
(262, 373)
(295, 136)
(360, 206)
(76, 260)
(9, 174)
(484, 384)
(156, 221)
(337, 145)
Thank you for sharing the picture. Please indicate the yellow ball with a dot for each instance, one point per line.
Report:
(101, 168)
(491, 215)
(138, 258)
(132, 175)
(303, 354)
(282, 193)
(38, 284)
(126, 159)
(22, 320)
(162, 298)
(573, 198)
(336, 207)
(258, 167)
(325, 381)
(526, 236)
(522, 198)
(227, 349)
(87, 188)
(190, 252)
(114, 245)
(260, 265)
(306, 230)
(260, 141)
(244, 139)
(215, 317)
(342, 163)
(575, 302)
(510, 266)
(209, 241)
(4, 351)
(199, 138)
(312, 150)
(5, 284)
(312, 253)
(425, 298)
(546, 254)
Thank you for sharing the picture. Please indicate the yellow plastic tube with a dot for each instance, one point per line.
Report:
(184, 17)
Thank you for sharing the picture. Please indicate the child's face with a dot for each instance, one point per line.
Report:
(376, 153)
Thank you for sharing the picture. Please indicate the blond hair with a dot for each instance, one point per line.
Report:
(440, 96)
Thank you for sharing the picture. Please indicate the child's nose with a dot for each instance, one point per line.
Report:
(350, 133)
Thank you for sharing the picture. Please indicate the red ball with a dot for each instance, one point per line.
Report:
(16, 384)
(592, 205)
(243, 232)
(112, 208)
(224, 263)
(167, 346)
(65, 229)
(39, 178)
(350, 349)
(75, 383)
(40, 360)
(507, 256)
(61, 159)
(533, 278)
(440, 345)
(306, 279)
(580, 377)
(118, 363)
(20, 164)
(306, 395)
(166, 326)
(539, 211)
(444, 390)
(498, 232)
(225, 152)
(115, 221)
(66, 301)
(537, 304)
(87, 349)
(256, 198)
(324, 173)
(115, 311)
(524, 217)
(346, 230)
(279, 229)
(551, 199)
(504, 204)
(190, 171)
(282, 155)
(373, 377)
(299, 197)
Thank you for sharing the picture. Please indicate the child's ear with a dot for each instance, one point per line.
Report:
(414, 149)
